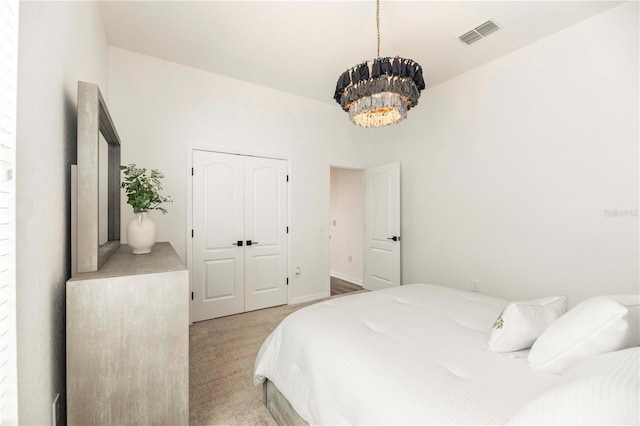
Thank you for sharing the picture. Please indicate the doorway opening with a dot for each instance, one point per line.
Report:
(346, 224)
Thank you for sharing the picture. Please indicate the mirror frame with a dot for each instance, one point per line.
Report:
(93, 119)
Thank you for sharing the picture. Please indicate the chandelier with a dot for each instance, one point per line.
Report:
(379, 92)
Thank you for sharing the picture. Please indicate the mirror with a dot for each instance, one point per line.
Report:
(103, 191)
(98, 181)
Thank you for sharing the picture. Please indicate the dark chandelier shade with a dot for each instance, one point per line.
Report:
(379, 92)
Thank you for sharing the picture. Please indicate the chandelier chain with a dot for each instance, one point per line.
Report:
(378, 24)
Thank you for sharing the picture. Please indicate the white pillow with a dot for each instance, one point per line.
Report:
(593, 327)
(602, 390)
(632, 303)
(520, 324)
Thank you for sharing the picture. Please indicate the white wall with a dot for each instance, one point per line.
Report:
(59, 44)
(507, 170)
(161, 108)
(347, 224)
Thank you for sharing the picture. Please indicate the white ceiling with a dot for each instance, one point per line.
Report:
(301, 47)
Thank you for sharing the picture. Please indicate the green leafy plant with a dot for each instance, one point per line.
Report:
(499, 322)
(143, 190)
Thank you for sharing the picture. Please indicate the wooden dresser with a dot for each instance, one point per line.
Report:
(128, 341)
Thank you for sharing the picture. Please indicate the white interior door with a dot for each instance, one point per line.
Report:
(382, 227)
(218, 225)
(239, 244)
(266, 227)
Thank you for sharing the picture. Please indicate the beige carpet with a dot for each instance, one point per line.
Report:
(221, 356)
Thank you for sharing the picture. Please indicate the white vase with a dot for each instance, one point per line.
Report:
(141, 233)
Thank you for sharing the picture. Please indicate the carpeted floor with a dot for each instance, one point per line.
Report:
(221, 356)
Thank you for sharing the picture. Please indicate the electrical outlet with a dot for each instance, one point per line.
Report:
(349, 258)
(55, 414)
(475, 286)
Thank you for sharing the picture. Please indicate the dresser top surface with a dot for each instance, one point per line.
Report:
(163, 258)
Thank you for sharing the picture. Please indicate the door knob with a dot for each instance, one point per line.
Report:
(239, 243)
(251, 243)
(394, 238)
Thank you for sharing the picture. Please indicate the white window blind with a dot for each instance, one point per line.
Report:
(8, 94)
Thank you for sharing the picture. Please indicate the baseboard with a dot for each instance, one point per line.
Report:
(309, 298)
(346, 278)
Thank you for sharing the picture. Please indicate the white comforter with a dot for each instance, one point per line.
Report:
(415, 354)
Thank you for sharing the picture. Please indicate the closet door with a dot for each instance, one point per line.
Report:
(218, 225)
(240, 234)
(265, 233)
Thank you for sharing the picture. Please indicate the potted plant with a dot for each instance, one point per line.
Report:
(143, 194)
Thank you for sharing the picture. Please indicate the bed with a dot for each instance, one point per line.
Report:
(415, 354)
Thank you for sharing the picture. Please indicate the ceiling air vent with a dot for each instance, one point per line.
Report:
(470, 37)
(479, 32)
(487, 28)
